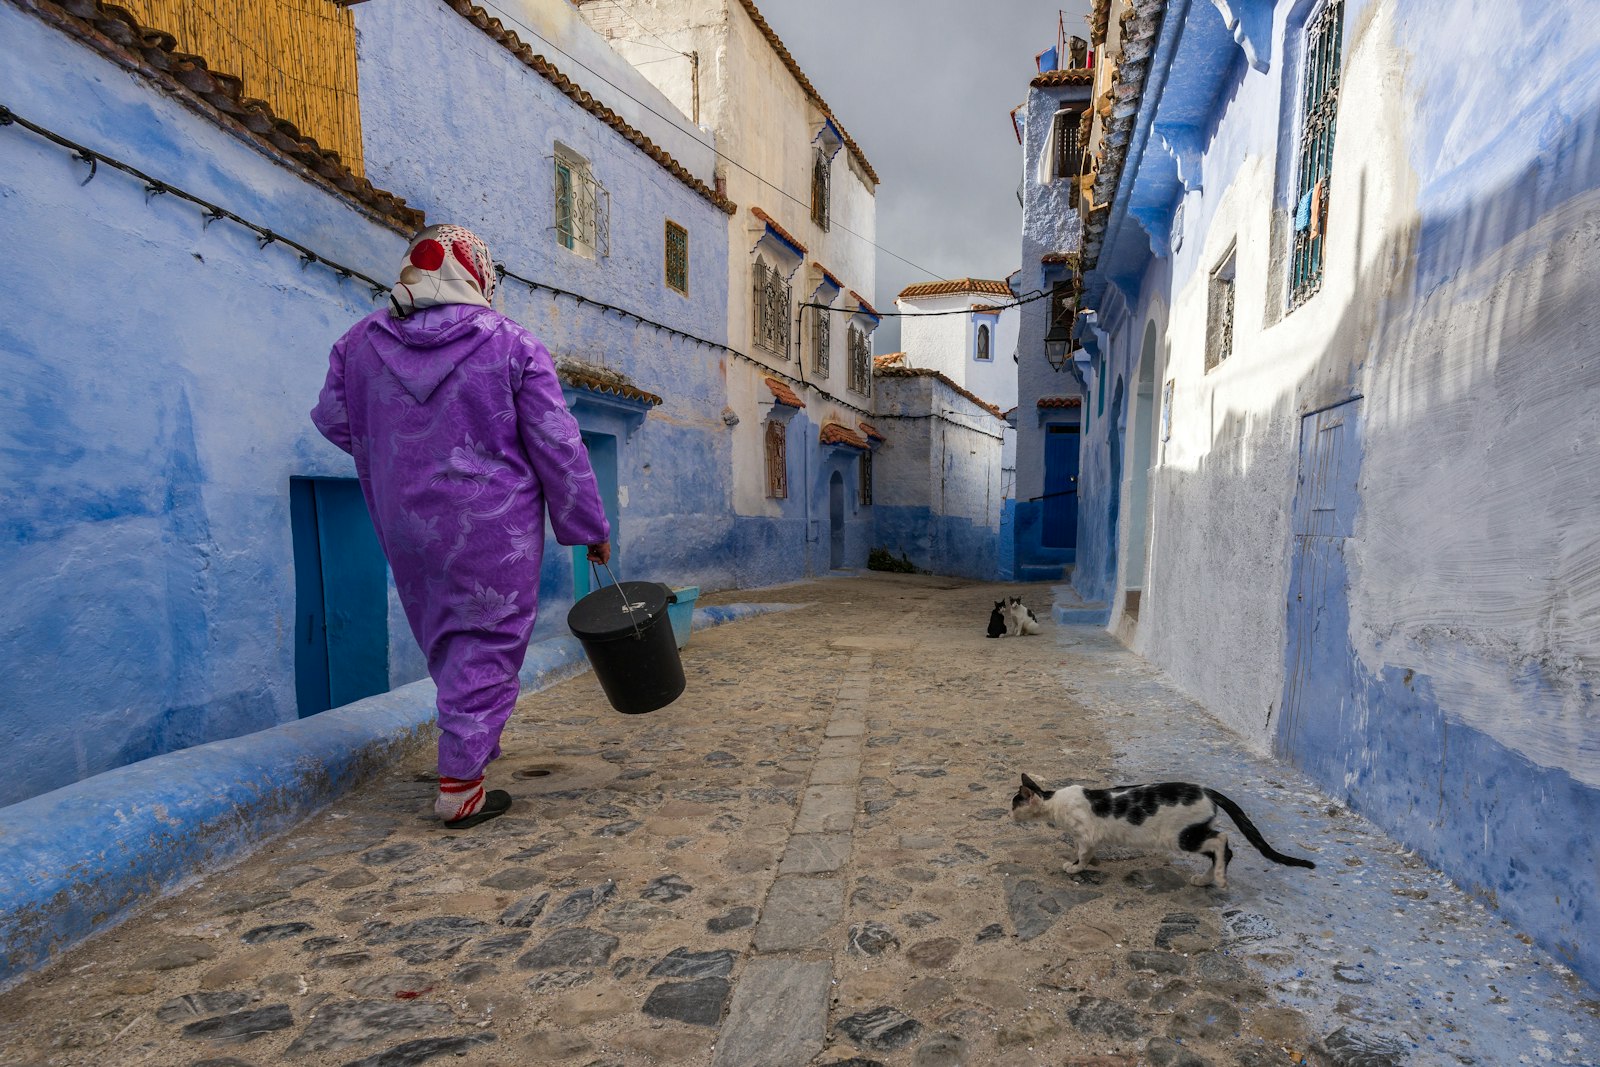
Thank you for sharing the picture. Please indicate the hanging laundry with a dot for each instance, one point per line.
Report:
(1318, 205)
(1302, 214)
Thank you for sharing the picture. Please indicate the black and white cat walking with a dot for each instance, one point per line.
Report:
(1164, 816)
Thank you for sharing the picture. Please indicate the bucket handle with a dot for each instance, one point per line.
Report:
(627, 607)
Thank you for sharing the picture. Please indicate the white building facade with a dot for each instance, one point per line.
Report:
(965, 329)
(800, 256)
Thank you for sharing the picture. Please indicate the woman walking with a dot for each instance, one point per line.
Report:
(462, 443)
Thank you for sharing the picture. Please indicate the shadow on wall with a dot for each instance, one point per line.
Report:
(1454, 665)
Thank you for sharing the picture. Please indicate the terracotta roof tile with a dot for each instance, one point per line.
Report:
(1072, 76)
(954, 286)
(777, 229)
(152, 53)
(837, 433)
(602, 382)
(929, 372)
(784, 394)
(993, 309)
(858, 298)
(889, 359)
(542, 66)
(871, 431)
(826, 273)
(805, 84)
(1061, 401)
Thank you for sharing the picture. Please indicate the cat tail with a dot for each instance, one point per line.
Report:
(1248, 828)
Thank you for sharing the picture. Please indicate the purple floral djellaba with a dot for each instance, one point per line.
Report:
(462, 441)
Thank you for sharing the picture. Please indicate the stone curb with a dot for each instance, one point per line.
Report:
(80, 859)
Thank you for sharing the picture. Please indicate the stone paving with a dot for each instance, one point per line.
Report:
(806, 860)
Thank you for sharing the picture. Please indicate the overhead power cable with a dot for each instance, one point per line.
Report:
(212, 212)
(488, 4)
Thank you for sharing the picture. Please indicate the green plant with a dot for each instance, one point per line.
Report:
(881, 559)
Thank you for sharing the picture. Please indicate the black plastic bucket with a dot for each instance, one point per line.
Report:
(628, 638)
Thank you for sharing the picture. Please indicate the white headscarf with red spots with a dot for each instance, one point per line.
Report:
(444, 265)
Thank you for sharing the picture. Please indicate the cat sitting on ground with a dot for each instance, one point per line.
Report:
(1167, 815)
(997, 620)
(1020, 619)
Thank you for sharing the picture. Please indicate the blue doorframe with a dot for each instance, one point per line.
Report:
(1060, 528)
(341, 596)
(835, 521)
(603, 458)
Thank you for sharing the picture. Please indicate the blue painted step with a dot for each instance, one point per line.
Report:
(1042, 572)
(1080, 614)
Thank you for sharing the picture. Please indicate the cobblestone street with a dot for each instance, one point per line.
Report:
(808, 859)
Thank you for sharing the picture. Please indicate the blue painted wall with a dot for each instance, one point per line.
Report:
(1049, 226)
(937, 495)
(154, 382)
(1447, 685)
(157, 375)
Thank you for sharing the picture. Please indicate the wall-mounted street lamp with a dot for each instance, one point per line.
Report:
(1063, 310)
(1057, 343)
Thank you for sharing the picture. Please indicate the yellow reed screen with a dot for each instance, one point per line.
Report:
(297, 55)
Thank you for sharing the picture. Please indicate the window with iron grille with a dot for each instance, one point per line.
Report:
(771, 310)
(821, 340)
(1069, 157)
(777, 460)
(677, 258)
(582, 206)
(982, 355)
(1219, 311)
(1319, 107)
(866, 477)
(860, 361)
(819, 189)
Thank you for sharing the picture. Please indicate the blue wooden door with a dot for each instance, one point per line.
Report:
(836, 521)
(341, 596)
(1060, 529)
(603, 458)
(1317, 717)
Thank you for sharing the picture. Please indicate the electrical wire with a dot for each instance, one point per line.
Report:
(1026, 298)
(264, 237)
(489, 5)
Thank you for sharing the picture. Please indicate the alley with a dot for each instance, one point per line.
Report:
(808, 859)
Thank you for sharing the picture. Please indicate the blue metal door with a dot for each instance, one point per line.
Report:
(1317, 716)
(603, 458)
(1060, 528)
(341, 596)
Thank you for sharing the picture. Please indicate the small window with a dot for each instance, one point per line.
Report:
(582, 206)
(1319, 108)
(866, 478)
(677, 262)
(983, 355)
(820, 191)
(860, 361)
(1069, 157)
(1219, 312)
(771, 310)
(821, 340)
(777, 460)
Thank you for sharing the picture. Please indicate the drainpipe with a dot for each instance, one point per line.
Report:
(694, 79)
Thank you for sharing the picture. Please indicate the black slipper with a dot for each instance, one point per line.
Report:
(495, 802)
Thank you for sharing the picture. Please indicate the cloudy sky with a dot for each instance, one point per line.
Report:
(924, 86)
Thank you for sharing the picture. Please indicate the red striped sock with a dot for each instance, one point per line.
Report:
(458, 797)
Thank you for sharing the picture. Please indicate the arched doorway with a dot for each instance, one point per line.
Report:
(1114, 442)
(1141, 436)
